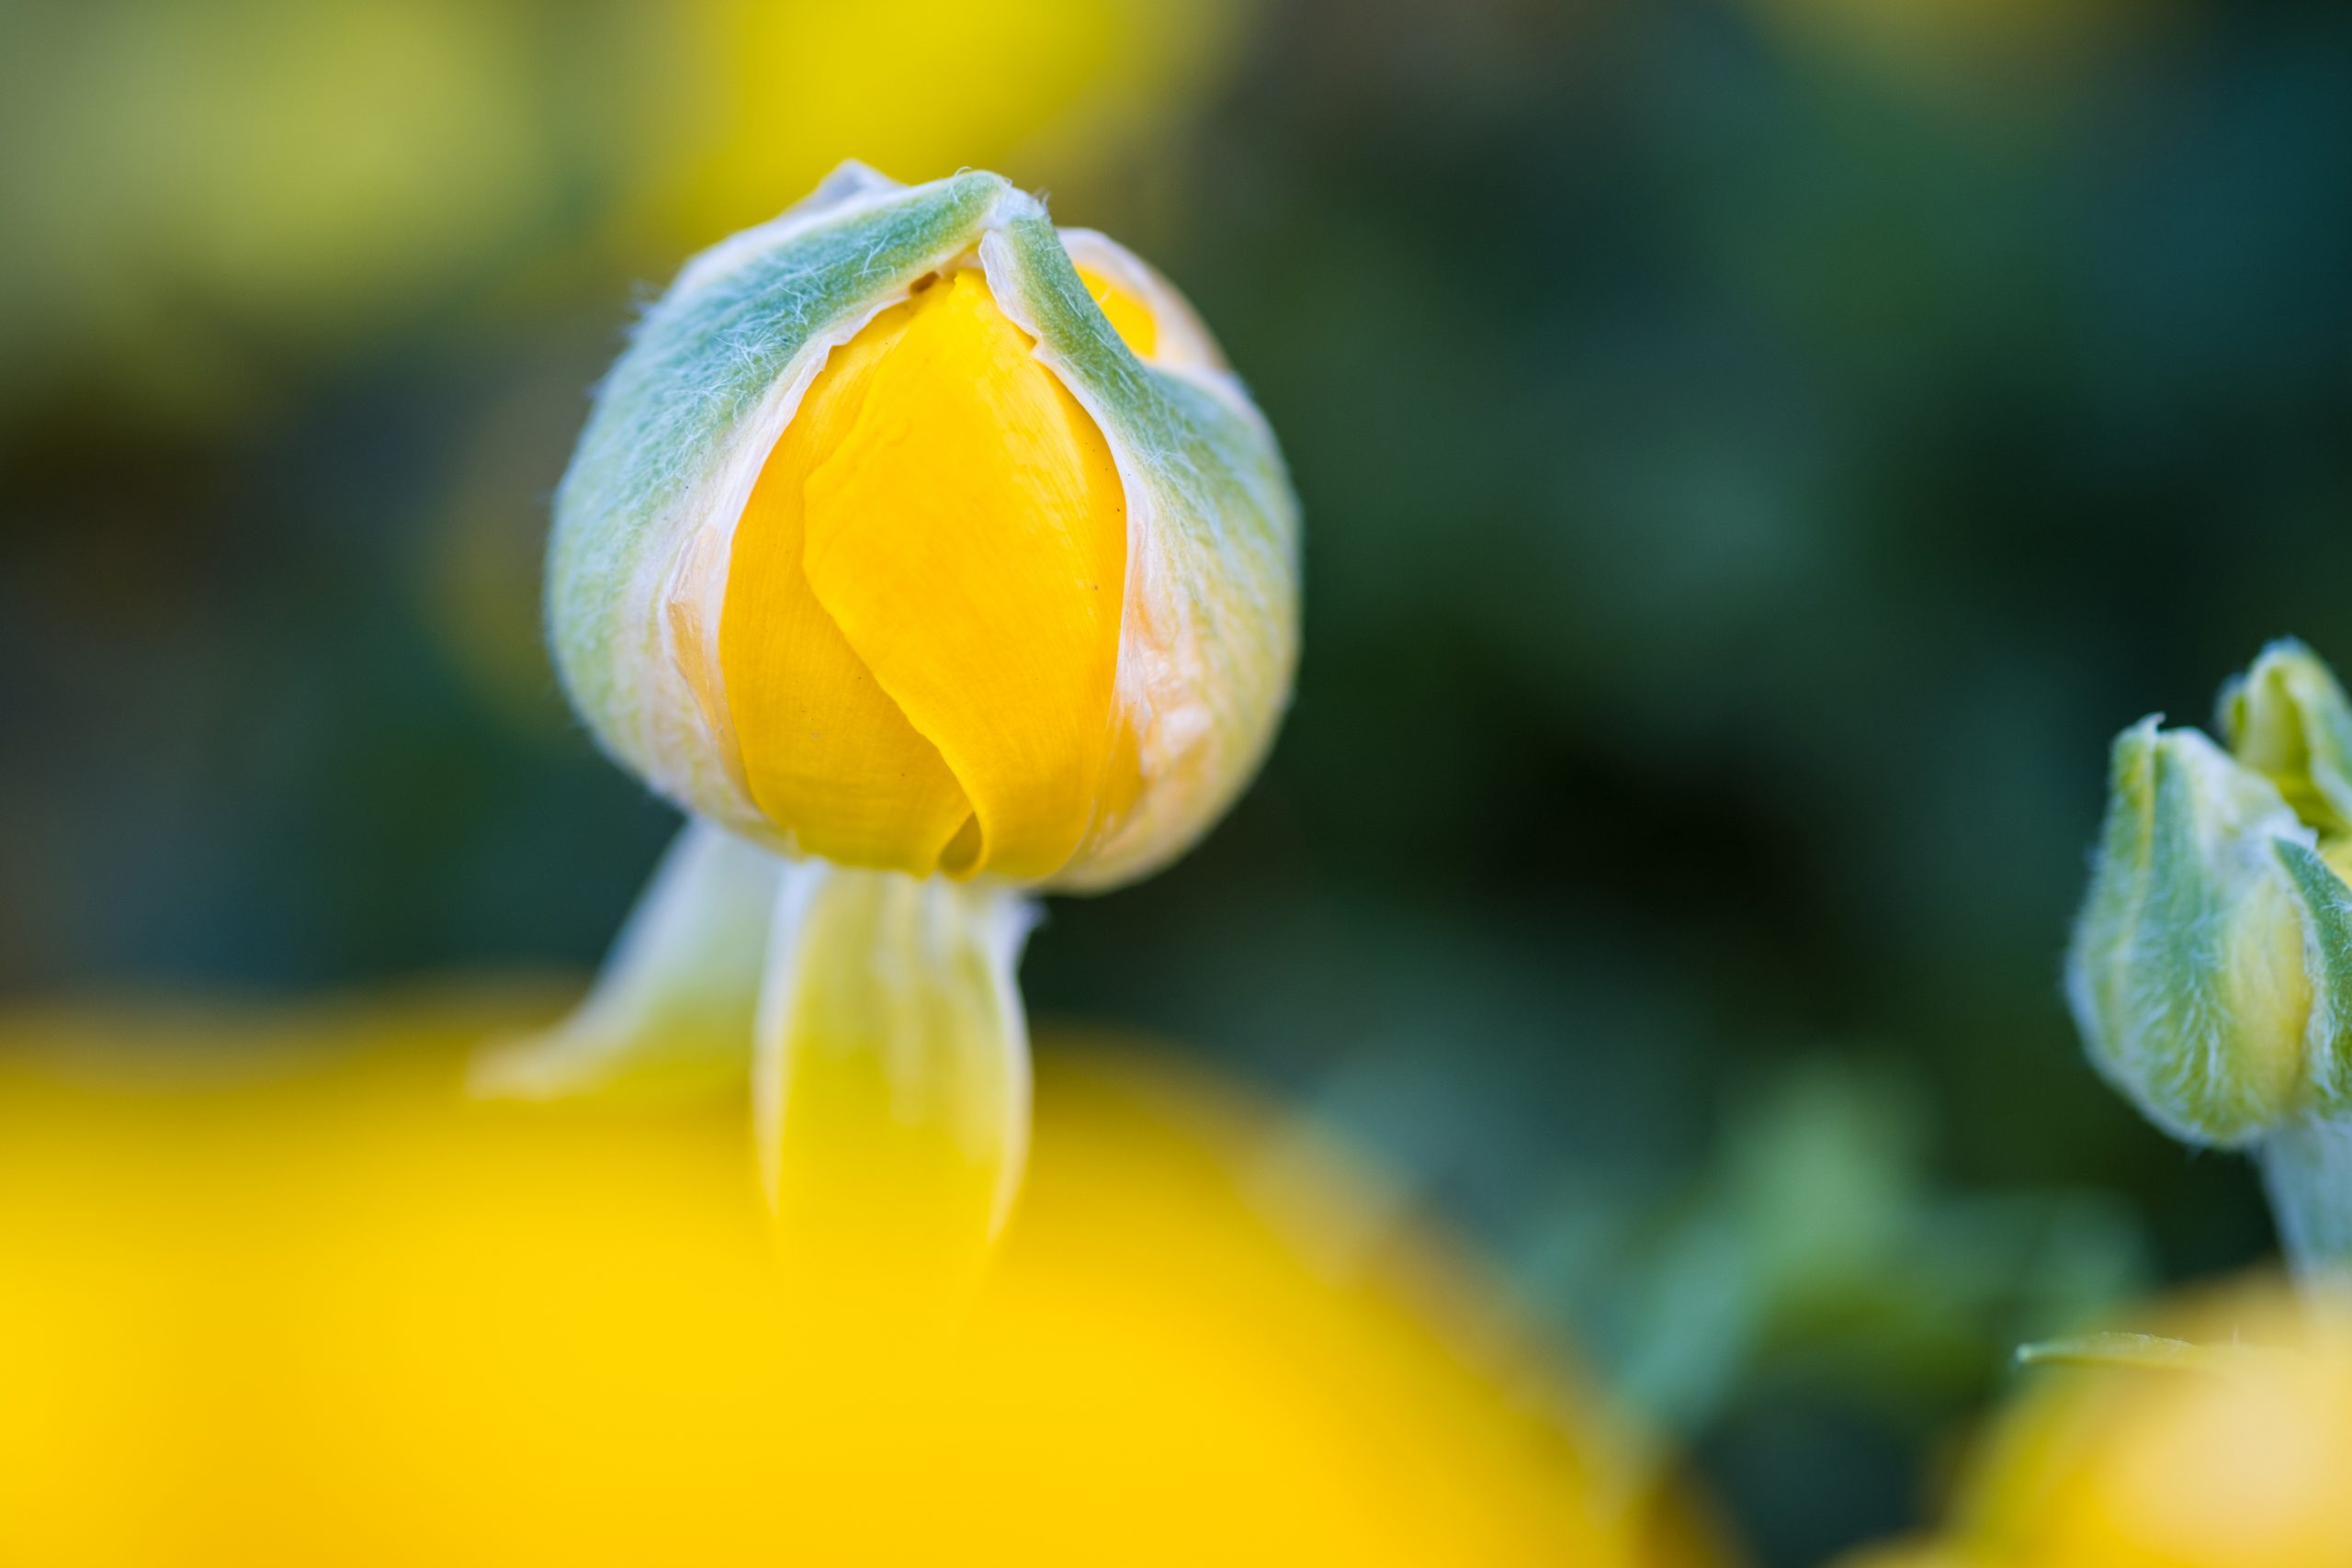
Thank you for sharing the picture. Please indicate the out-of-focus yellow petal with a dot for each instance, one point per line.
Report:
(967, 533)
(2241, 1468)
(826, 753)
(2226, 1450)
(274, 1294)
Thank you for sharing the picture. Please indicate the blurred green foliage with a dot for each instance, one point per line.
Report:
(1755, 456)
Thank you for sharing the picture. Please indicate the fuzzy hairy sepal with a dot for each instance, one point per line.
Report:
(2210, 969)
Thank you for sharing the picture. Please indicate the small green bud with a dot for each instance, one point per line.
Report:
(2211, 966)
(2288, 719)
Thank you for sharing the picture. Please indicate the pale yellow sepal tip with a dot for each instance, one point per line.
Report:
(2146, 1353)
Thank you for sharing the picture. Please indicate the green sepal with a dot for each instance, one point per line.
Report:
(2185, 973)
(1214, 566)
(2327, 932)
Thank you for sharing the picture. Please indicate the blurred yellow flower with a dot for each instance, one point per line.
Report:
(2231, 1458)
(198, 189)
(773, 92)
(275, 1293)
(205, 179)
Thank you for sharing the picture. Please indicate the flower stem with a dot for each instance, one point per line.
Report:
(2307, 1167)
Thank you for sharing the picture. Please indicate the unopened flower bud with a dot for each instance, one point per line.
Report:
(2211, 967)
(913, 534)
(933, 550)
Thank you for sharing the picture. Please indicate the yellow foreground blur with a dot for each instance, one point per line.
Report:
(271, 1292)
(2230, 1454)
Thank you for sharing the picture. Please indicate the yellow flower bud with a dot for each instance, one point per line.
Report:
(915, 535)
(925, 553)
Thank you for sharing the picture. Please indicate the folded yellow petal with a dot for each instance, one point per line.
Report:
(966, 531)
(1126, 311)
(826, 753)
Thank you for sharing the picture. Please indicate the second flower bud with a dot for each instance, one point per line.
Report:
(2211, 966)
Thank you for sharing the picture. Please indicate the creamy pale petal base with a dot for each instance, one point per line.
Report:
(891, 1089)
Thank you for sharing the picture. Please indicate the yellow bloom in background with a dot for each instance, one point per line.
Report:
(277, 1293)
(924, 553)
(2228, 1449)
(774, 93)
(198, 188)
(195, 188)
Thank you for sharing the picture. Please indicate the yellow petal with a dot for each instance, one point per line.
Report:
(826, 753)
(967, 533)
(1126, 311)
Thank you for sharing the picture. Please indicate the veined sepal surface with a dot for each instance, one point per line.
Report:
(2211, 966)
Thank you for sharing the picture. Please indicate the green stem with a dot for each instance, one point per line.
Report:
(2307, 1166)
